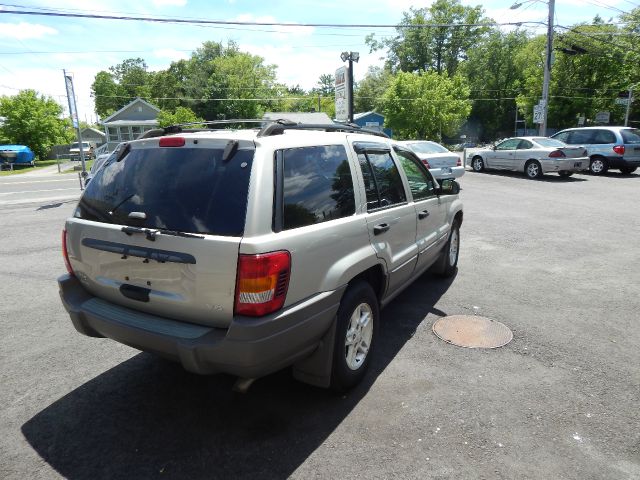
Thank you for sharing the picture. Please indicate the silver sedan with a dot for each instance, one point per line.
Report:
(534, 156)
(441, 162)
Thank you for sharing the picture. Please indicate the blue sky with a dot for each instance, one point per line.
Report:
(302, 54)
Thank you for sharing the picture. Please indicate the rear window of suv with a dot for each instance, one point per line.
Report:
(631, 135)
(185, 189)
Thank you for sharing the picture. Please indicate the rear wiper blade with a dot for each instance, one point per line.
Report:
(150, 233)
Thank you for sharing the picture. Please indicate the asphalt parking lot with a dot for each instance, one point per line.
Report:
(555, 260)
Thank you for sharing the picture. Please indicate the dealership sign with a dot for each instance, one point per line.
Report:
(342, 94)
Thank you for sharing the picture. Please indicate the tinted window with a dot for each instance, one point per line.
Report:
(317, 185)
(185, 189)
(604, 137)
(581, 137)
(420, 180)
(427, 147)
(510, 144)
(382, 180)
(525, 145)
(550, 142)
(630, 135)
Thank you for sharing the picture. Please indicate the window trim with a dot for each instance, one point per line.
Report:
(375, 181)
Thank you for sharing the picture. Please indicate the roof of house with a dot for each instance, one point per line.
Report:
(93, 130)
(129, 105)
(358, 116)
(300, 117)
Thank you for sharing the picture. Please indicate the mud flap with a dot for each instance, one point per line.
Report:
(316, 368)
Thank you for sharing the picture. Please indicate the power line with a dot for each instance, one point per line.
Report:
(259, 24)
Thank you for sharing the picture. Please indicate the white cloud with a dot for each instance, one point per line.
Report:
(169, 3)
(24, 31)
(171, 54)
(283, 30)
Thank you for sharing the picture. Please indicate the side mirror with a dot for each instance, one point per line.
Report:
(449, 186)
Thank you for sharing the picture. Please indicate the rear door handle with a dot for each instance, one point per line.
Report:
(423, 214)
(383, 227)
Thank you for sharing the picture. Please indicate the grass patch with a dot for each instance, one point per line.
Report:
(17, 169)
(87, 163)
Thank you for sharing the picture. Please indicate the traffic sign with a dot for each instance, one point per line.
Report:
(538, 113)
(602, 117)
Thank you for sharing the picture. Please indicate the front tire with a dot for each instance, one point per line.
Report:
(598, 166)
(533, 169)
(447, 264)
(356, 332)
(477, 164)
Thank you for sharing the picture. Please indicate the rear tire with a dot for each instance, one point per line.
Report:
(356, 333)
(628, 170)
(598, 166)
(533, 169)
(477, 164)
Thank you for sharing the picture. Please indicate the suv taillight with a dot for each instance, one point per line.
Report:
(65, 254)
(426, 164)
(557, 154)
(619, 149)
(263, 281)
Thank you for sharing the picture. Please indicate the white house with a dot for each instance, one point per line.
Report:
(129, 122)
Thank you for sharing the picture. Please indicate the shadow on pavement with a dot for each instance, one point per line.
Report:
(547, 177)
(149, 418)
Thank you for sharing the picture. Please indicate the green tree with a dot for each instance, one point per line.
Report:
(180, 115)
(424, 41)
(34, 120)
(425, 105)
(495, 80)
(368, 92)
(326, 84)
(244, 82)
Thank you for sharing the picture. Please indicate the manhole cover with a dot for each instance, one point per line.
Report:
(472, 331)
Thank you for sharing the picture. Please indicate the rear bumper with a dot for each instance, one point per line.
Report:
(565, 165)
(249, 348)
(449, 172)
(621, 162)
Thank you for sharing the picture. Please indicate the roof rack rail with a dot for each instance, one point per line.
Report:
(272, 127)
(177, 128)
(277, 127)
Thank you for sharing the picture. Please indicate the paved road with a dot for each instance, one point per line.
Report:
(46, 186)
(556, 260)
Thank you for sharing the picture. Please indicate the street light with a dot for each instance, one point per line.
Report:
(547, 63)
(350, 57)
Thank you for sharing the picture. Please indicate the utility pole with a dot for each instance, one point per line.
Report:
(547, 69)
(629, 100)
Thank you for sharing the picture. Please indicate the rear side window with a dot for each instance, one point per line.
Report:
(184, 189)
(381, 179)
(317, 185)
(603, 137)
(631, 135)
(581, 137)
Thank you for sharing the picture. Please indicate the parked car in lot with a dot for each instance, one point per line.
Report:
(607, 147)
(248, 251)
(534, 156)
(441, 162)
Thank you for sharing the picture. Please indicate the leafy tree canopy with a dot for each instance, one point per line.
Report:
(35, 121)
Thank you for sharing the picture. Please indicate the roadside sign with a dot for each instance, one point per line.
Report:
(538, 113)
(622, 101)
(602, 117)
(342, 94)
(581, 121)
